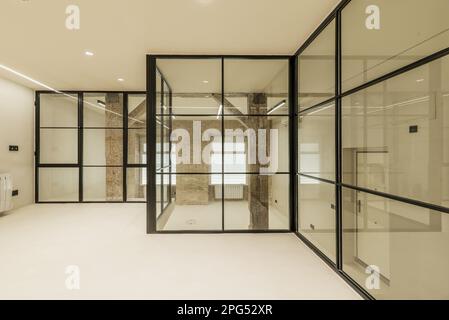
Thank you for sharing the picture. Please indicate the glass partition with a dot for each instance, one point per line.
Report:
(403, 247)
(316, 70)
(375, 40)
(85, 134)
(228, 144)
(373, 177)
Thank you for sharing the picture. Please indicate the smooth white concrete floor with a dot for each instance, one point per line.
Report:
(117, 260)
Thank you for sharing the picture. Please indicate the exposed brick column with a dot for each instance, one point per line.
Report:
(258, 191)
(114, 146)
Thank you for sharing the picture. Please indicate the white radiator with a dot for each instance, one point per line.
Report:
(5, 192)
(231, 191)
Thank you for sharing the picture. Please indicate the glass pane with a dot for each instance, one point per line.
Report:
(254, 144)
(136, 184)
(316, 69)
(371, 50)
(103, 147)
(256, 86)
(195, 84)
(253, 201)
(316, 214)
(58, 110)
(103, 110)
(400, 250)
(396, 137)
(316, 137)
(159, 106)
(58, 146)
(159, 125)
(58, 184)
(137, 146)
(166, 103)
(193, 205)
(102, 184)
(192, 148)
(137, 110)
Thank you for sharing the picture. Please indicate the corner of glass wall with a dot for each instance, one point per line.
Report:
(316, 213)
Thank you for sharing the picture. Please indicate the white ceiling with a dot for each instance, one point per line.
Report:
(35, 41)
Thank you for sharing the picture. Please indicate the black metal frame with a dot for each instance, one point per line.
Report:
(151, 87)
(337, 265)
(80, 160)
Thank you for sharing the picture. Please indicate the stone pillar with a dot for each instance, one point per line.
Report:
(114, 146)
(258, 189)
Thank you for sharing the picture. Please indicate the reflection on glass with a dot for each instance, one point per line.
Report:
(316, 214)
(256, 86)
(370, 49)
(102, 184)
(405, 245)
(395, 136)
(316, 138)
(58, 184)
(58, 110)
(197, 87)
(103, 110)
(58, 146)
(316, 69)
(159, 105)
(137, 111)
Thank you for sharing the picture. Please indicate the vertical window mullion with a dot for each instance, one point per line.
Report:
(222, 147)
(338, 130)
(80, 145)
(125, 147)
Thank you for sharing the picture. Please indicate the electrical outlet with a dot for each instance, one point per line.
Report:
(15, 193)
(413, 129)
(13, 148)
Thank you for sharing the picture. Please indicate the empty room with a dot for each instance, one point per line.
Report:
(224, 150)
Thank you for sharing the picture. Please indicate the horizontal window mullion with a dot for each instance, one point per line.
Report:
(316, 178)
(397, 72)
(59, 165)
(103, 128)
(62, 128)
(101, 166)
(398, 198)
(321, 104)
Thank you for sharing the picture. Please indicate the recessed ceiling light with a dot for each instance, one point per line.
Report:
(120, 79)
(420, 80)
(205, 81)
(89, 53)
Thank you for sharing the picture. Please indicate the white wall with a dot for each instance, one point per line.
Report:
(17, 128)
